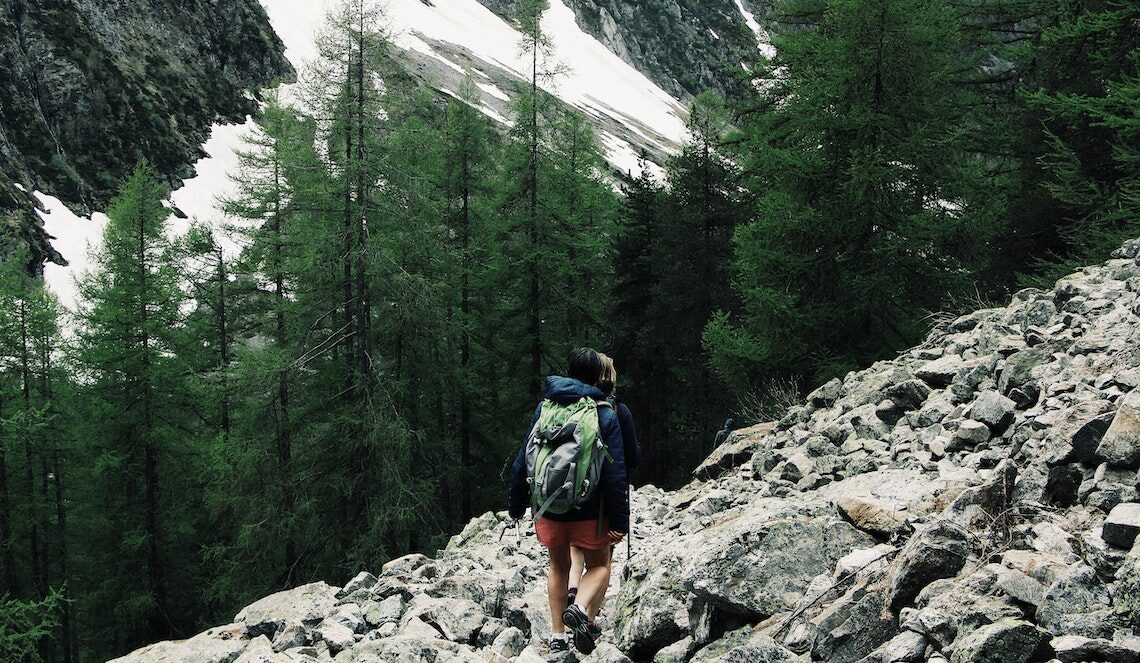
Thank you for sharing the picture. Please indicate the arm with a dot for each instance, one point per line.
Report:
(614, 478)
(634, 458)
(518, 492)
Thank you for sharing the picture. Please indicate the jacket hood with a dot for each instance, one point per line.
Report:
(564, 390)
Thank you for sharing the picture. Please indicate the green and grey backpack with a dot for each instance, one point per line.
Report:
(564, 456)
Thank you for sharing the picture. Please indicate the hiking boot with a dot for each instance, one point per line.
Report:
(595, 631)
(578, 621)
(558, 645)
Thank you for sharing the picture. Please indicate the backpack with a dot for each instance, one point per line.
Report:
(564, 456)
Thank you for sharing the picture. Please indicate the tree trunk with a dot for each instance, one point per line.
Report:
(9, 562)
(532, 263)
(38, 572)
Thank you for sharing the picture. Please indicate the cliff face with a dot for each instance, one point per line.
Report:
(91, 86)
(684, 46)
(973, 500)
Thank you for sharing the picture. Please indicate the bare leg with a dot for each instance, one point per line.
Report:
(556, 586)
(577, 566)
(592, 588)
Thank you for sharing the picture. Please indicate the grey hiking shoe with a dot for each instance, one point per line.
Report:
(579, 622)
(558, 645)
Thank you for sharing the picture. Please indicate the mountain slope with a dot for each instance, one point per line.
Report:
(91, 87)
(973, 500)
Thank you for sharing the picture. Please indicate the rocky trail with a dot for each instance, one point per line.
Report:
(973, 500)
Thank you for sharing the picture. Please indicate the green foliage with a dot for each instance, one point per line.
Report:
(1092, 161)
(24, 624)
(869, 206)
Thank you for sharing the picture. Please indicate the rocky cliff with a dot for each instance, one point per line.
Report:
(684, 46)
(91, 86)
(972, 500)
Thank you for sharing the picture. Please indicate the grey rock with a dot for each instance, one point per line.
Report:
(738, 449)
(971, 434)
(387, 611)
(871, 515)
(993, 410)
(756, 568)
(678, 652)
(1078, 590)
(217, 645)
(1074, 648)
(1122, 525)
(906, 647)
(1020, 366)
(1105, 559)
(362, 581)
(937, 551)
(1121, 443)
(826, 394)
(301, 606)
(1004, 641)
(853, 625)
(942, 371)
(509, 643)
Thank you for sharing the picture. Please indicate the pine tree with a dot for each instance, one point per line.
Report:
(871, 209)
(134, 393)
(1089, 97)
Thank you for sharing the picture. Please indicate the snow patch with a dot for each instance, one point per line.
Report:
(764, 42)
(74, 237)
(493, 91)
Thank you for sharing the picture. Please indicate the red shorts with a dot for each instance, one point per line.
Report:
(577, 533)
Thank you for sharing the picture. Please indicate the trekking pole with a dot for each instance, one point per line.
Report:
(518, 534)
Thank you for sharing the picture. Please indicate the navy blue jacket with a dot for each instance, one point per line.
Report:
(612, 495)
(633, 455)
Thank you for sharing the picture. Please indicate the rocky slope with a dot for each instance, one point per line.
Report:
(684, 46)
(90, 87)
(973, 500)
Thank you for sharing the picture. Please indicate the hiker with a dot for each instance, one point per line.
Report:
(608, 385)
(594, 524)
(722, 434)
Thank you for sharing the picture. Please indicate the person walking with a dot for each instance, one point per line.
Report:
(633, 459)
(570, 470)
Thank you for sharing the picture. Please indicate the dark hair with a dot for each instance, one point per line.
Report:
(584, 364)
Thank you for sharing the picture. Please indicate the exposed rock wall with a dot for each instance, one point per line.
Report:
(973, 500)
(88, 87)
(684, 46)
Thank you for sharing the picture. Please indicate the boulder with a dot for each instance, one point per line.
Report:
(738, 449)
(217, 645)
(906, 647)
(872, 515)
(509, 643)
(993, 410)
(970, 434)
(1004, 641)
(678, 652)
(1074, 648)
(651, 610)
(1121, 443)
(303, 606)
(826, 394)
(939, 550)
(362, 581)
(942, 371)
(1020, 366)
(1087, 438)
(1122, 525)
(1077, 591)
(758, 565)
(852, 625)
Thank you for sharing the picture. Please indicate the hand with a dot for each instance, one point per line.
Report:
(614, 536)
